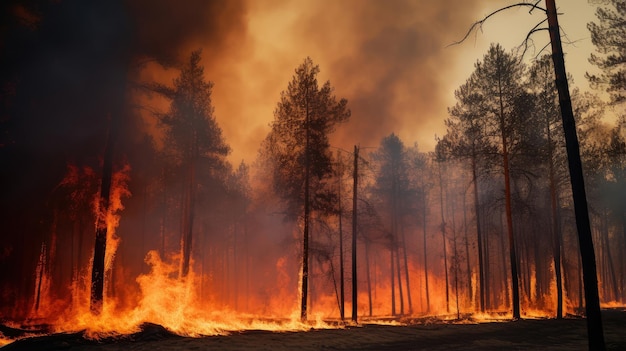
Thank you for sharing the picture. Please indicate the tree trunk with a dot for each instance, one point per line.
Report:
(399, 272)
(479, 237)
(425, 253)
(443, 238)
(406, 270)
(509, 215)
(610, 268)
(341, 268)
(468, 269)
(369, 279)
(594, 316)
(189, 212)
(97, 269)
(305, 242)
(393, 284)
(556, 228)
(354, 233)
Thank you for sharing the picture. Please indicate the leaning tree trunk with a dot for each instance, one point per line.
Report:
(594, 317)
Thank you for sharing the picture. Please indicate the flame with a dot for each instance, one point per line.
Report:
(173, 302)
(199, 303)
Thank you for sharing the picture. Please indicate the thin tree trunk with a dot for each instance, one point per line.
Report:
(509, 215)
(609, 258)
(487, 266)
(341, 268)
(479, 238)
(189, 213)
(556, 228)
(505, 280)
(594, 316)
(393, 285)
(468, 267)
(305, 241)
(425, 253)
(455, 262)
(354, 234)
(406, 270)
(443, 238)
(399, 272)
(368, 276)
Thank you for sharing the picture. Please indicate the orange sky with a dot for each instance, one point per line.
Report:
(388, 58)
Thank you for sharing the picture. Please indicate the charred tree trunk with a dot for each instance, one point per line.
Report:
(594, 316)
(98, 268)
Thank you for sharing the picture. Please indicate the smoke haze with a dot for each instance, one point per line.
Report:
(387, 58)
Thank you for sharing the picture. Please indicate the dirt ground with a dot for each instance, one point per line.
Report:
(546, 334)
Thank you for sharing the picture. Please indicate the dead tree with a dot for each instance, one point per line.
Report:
(592, 305)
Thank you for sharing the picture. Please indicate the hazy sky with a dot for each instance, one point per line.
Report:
(390, 59)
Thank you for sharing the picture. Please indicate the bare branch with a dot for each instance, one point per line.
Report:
(479, 24)
(528, 39)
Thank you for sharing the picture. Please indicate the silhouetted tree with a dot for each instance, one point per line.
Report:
(297, 152)
(392, 189)
(609, 37)
(194, 141)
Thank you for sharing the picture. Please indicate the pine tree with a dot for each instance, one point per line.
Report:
(609, 37)
(194, 140)
(297, 152)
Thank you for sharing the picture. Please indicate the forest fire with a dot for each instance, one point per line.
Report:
(124, 215)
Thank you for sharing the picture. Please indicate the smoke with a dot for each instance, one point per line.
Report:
(389, 59)
(167, 30)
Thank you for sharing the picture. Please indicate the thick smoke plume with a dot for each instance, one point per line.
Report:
(388, 59)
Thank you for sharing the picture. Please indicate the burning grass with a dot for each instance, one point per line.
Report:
(429, 334)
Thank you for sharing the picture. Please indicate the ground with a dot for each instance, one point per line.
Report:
(543, 334)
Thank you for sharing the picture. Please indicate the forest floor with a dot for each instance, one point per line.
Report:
(526, 334)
